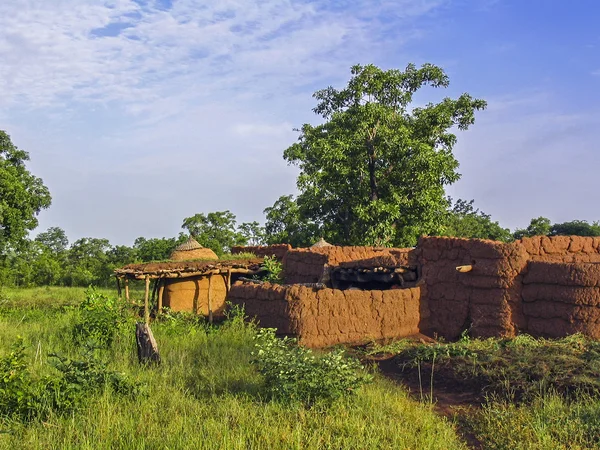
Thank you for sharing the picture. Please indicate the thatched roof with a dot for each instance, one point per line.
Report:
(321, 243)
(191, 249)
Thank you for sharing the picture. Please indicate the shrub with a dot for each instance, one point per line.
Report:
(100, 318)
(25, 398)
(274, 268)
(294, 373)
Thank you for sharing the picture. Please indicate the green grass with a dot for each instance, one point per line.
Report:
(549, 422)
(205, 394)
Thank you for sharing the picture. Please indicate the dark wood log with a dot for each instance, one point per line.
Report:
(146, 344)
(118, 288)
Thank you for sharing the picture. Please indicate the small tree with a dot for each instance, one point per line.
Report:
(215, 230)
(286, 225)
(463, 220)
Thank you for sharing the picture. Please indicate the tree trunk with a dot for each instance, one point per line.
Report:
(146, 344)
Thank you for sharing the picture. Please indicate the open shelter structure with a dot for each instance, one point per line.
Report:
(196, 286)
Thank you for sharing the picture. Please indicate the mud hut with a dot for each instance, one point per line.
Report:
(195, 286)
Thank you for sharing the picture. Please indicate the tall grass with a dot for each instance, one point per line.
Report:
(206, 394)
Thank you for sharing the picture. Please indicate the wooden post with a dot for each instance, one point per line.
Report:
(210, 314)
(146, 307)
(228, 279)
(118, 288)
(161, 290)
(127, 289)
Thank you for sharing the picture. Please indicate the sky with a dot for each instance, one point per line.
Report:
(137, 114)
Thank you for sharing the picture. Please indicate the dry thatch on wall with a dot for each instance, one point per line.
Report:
(191, 249)
(182, 269)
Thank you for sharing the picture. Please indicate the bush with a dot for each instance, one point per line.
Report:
(274, 268)
(294, 373)
(99, 320)
(25, 398)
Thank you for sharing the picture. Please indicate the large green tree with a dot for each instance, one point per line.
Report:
(374, 172)
(22, 195)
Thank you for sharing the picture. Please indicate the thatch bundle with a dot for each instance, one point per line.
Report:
(192, 250)
(321, 243)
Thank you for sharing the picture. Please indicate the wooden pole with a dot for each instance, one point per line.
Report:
(118, 288)
(210, 314)
(146, 307)
(228, 279)
(161, 291)
(127, 289)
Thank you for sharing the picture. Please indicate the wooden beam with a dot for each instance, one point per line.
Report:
(146, 307)
(210, 313)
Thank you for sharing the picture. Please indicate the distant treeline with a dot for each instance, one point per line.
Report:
(50, 260)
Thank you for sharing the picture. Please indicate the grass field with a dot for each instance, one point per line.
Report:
(205, 394)
(208, 394)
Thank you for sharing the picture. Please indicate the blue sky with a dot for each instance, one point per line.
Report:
(140, 113)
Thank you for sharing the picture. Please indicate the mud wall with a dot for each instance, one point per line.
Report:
(277, 250)
(191, 294)
(562, 248)
(485, 301)
(562, 298)
(305, 265)
(325, 317)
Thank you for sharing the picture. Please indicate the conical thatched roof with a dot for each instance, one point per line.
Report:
(191, 249)
(321, 243)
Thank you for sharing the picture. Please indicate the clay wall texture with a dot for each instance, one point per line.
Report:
(277, 250)
(325, 317)
(191, 294)
(562, 248)
(305, 265)
(485, 301)
(562, 298)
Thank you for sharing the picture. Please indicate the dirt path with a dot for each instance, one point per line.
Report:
(451, 399)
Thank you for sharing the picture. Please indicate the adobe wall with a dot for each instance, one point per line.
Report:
(277, 250)
(535, 285)
(485, 301)
(325, 317)
(305, 265)
(562, 298)
(562, 248)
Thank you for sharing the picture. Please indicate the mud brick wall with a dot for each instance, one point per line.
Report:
(325, 317)
(562, 248)
(277, 250)
(305, 265)
(562, 298)
(485, 301)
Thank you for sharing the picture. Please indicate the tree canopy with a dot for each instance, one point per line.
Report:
(22, 195)
(375, 171)
(463, 220)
